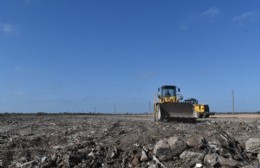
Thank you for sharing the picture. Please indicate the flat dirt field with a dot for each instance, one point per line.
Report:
(128, 141)
(243, 116)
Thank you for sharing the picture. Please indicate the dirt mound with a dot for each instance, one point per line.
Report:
(116, 141)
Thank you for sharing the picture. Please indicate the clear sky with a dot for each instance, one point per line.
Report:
(67, 55)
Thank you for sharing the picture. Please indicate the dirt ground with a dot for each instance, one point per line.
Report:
(126, 141)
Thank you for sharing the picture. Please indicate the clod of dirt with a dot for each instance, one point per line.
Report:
(219, 141)
(115, 153)
(227, 162)
(192, 157)
(196, 141)
(162, 150)
(167, 148)
(253, 145)
(135, 161)
(211, 160)
(144, 156)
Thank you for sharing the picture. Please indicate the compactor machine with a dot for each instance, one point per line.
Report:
(202, 110)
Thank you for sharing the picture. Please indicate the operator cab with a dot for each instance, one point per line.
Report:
(168, 91)
(192, 101)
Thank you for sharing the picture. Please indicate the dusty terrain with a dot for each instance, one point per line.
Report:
(127, 141)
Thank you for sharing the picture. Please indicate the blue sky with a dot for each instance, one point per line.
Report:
(66, 55)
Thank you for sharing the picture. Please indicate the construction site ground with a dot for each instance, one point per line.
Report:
(128, 141)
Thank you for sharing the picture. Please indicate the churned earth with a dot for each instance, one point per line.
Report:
(127, 141)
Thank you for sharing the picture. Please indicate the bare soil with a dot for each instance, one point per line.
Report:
(112, 140)
(243, 116)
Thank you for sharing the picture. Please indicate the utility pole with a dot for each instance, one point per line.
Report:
(149, 107)
(233, 102)
(114, 108)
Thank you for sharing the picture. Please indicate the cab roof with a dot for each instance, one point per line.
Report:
(168, 86)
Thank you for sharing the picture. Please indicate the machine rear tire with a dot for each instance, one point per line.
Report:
(206, 115)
